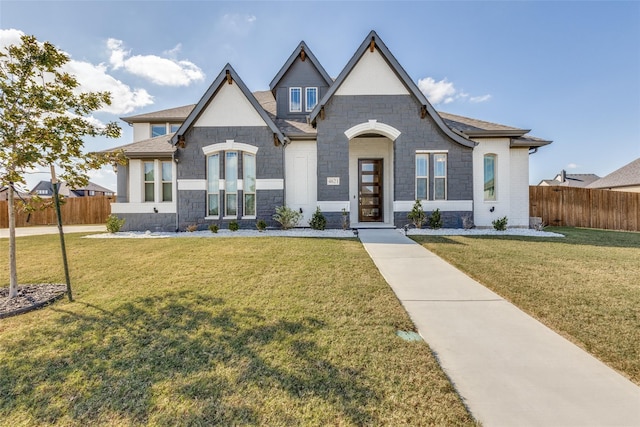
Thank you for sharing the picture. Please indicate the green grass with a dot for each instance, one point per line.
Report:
(585, 286)
(243, 331)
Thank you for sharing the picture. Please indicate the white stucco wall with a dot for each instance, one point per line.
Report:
(141, 131)
(512, 183)
(230, 107)
(372, 76)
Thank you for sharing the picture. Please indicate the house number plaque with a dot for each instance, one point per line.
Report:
(333, 180)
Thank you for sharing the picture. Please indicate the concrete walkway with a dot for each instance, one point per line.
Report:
(510, 369)
(53, 229)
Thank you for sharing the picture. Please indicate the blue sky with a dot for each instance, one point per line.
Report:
(570, 71)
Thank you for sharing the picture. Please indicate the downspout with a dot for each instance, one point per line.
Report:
(174, 159)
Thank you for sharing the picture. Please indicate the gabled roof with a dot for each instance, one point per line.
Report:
(626, 176)
(177, 114)
(301, 51)
(475, 127)
(373, 39)
(160, 146)
(226, 76)
(564, 179)
(293, 128)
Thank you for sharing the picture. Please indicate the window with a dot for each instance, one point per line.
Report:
(174, 127)
(149, 181)
(422, 176)
(295, 101)
(490, 177)
(167, 187)
(311, 98)
(231, 184)
(439, 177)
(213, 185)
(158, 130)
(249, 184)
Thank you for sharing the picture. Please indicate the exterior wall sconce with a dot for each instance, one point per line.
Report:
(493, 208)
(155, 210)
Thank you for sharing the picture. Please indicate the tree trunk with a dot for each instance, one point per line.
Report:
(13, 271)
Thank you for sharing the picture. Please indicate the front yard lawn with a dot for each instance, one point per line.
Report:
(268, 331)
(585, 286)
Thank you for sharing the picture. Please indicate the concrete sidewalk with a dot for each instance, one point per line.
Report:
(510, 369)
(53, 229)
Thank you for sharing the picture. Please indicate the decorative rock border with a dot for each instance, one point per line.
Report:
(44, 294)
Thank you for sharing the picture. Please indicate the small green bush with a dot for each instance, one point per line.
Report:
(435, 219)
(261, 225)
(213, 228)
(417, 215)
(233, 226)
(114, 224)
(286, 217)
(318, 221)
(500, 224)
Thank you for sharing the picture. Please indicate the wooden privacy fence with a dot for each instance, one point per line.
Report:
(584, 207)
(74, 210)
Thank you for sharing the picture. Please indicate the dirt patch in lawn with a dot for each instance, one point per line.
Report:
(30, 297)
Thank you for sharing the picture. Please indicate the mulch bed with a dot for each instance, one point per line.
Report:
(30, 297)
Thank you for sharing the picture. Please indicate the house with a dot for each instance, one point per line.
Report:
(627, 178)
(365, 145)
(19, 195)
(45, 189)
(564, 179)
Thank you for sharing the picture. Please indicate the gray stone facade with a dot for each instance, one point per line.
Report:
(192, 164)
(148, 221)
(301, 74)
(403, 113)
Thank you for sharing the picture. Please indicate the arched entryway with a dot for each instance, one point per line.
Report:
(371, 174)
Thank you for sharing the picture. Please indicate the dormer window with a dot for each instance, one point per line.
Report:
(158, 130)
(295, 99)
(311, 98)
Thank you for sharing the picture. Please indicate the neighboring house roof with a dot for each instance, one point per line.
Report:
(570, 180)
(303, 52)
(626, 176)
(373, 41)
(177, 114)
(4, 193)
(45, 188)
(160, 146)
(227, 76)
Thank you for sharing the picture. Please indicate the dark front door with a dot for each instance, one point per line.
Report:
(370, 207)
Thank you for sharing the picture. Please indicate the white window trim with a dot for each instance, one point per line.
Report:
(291, 110)
(306, 99)
(446, 170)
(206, 188)
(229, 145)
(244, 193)
(238, 183)
(495, 177)
(157, 181)
(421, 176)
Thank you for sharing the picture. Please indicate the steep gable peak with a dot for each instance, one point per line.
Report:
(373, 45)
(238, 104)
(302, 53)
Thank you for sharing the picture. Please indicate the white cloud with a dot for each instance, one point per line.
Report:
(158, 70)
(94, 78)
(478, 99)
(237, 23)
(10, 37)
(572, 166)
(445, 92)
(437, 92)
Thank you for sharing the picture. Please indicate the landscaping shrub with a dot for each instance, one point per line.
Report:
(435, 219)
(233, 226)
(318, 221)
(417, 215)
(261, 225)
(114, 224)
(192, 227)
(213, 228)
(286, 217)
(500, 224)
